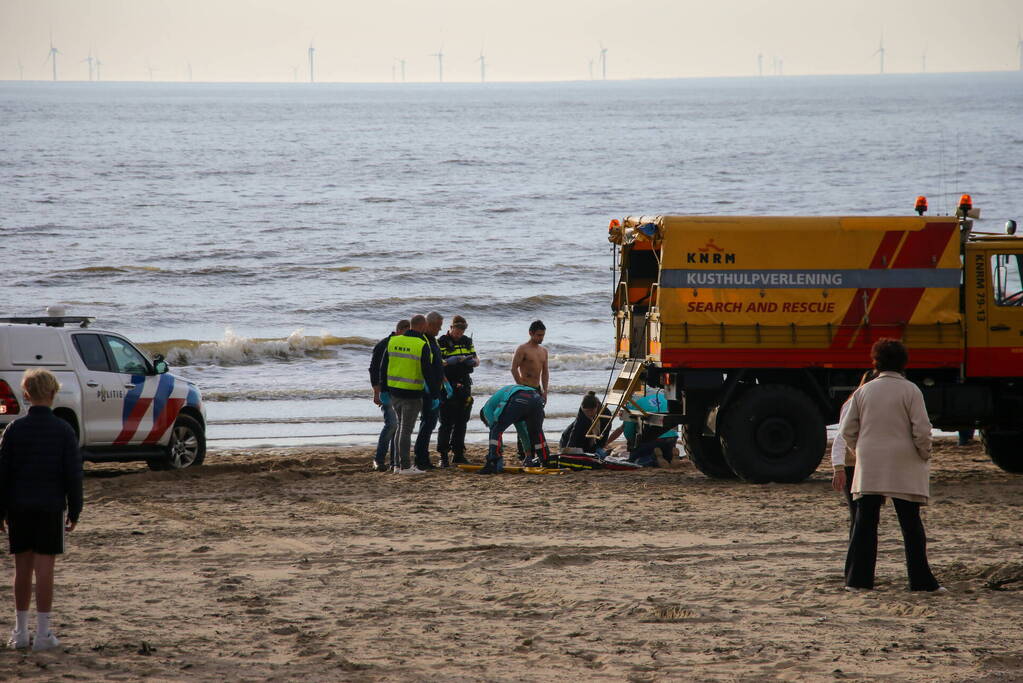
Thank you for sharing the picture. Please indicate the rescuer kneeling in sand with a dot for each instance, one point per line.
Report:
(522, 406)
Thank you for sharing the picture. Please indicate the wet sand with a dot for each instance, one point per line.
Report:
(303, 564)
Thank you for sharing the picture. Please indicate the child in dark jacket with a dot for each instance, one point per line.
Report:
(40, 500)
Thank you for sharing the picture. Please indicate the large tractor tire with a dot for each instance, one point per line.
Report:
(773, 433)
(1005, 448)
(705, 453)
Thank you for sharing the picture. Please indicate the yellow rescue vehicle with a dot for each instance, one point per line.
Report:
(758, 328)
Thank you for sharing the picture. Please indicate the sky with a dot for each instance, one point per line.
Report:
(522, 40)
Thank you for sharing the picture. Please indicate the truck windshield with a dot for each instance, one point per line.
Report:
(1008, 284)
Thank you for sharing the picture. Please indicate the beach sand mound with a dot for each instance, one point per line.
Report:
(297, 564)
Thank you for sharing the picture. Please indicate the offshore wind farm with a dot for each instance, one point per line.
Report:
(444, 46)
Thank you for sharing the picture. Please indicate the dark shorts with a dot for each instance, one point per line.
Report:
(39, 531)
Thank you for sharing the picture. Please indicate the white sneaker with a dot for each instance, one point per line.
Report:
(19, 640)
(412, 470)
(45, 642)
(855, 589)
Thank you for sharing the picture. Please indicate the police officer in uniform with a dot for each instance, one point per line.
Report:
(460, 359)
(407, 373)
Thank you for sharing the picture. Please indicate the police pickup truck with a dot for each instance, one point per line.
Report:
(122, 405)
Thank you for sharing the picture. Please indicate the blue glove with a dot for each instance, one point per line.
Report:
(385, 398)
(448, 391)
(435, 405)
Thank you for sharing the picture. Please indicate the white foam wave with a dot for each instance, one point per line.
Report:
(235, 349)
(560, 361)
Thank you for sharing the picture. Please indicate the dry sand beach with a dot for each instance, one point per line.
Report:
(302, 564)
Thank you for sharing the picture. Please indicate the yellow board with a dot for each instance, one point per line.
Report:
(514, 469)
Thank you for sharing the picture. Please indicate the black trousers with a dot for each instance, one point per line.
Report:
(525, 407)
(454, 415)
(852, 503)
(862, 556)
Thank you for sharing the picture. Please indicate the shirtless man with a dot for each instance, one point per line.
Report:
(529, 366)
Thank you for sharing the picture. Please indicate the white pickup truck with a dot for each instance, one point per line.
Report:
(122, 405)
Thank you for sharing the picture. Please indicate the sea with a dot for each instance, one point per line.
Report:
(264, 236)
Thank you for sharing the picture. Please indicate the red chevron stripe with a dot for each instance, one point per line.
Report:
(131, 425)
(921, 249)
(882, 259)
(166, 419)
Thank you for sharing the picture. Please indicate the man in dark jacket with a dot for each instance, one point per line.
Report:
(383, 399)
(407, 374)
(40, 500)
(432, 399)
(459, 361)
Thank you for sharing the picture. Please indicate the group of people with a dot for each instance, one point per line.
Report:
(883, 449)
(418, 376)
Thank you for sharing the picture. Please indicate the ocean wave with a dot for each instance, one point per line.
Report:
(316, 394)
(559, 361)
(236, 350)
(113, 269)
(331, 419)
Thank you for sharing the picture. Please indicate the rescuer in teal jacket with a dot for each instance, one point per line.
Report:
(522, 406)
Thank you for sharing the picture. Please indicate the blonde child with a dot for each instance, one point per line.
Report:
(40, 500)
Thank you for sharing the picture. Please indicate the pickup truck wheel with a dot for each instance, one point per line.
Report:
(1005, 448)
(773, 433)
(187, 446)
(705, 453)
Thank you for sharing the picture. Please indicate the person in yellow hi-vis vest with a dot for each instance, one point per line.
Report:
(406, 372)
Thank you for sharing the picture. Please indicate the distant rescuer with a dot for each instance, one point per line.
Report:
(406, 373)
(529, 365)
(522, 406)
(431, 400)
(383, 399)
(460, 359)
(40, 500)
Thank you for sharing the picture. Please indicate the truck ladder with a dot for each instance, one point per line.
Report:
(621, 390)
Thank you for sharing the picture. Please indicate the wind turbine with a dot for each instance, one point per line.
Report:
(760, 63)
(294, 73)
(483, 66)
(439, 54)
(591, 69)
(923, 61)
(1019, 47)
(150, 69)
(21, 70)
(90, 60)
(52, 56)
(98, 65)
(189, 65)
(312, 51)
(603, 62)
(402, 62)
(880, 51)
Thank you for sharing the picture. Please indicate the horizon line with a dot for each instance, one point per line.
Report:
(474, 82)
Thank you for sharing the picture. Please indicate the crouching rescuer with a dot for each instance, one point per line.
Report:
(522, 406)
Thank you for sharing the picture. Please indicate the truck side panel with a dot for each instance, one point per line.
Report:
(729, 297)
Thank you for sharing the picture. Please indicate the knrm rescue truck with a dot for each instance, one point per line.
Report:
(758, 328)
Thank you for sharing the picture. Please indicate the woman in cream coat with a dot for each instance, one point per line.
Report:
(887, 427)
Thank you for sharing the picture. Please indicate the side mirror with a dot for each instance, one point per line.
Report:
(159, 364)
(1010, 227)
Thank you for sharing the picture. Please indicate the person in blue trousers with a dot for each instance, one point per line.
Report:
(383, 400)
